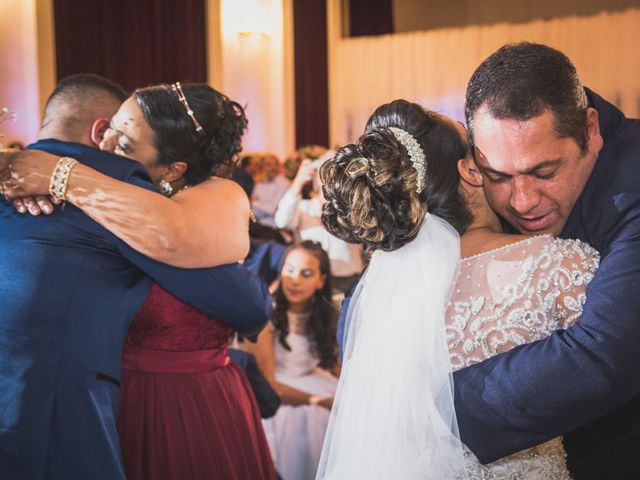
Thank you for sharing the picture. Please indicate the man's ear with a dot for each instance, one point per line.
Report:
(97, 130)
(593, 131)
(469, 172)
(175, 171)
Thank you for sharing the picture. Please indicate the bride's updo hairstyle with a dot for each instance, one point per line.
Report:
(371, 187)
(175, 121)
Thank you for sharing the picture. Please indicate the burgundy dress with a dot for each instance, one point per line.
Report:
(186, 411)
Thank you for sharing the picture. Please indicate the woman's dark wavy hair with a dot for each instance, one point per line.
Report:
(321, 326)
(370, 186)
(175, 136)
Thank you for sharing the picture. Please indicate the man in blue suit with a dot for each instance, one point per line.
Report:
(68, 291)
(556, 158)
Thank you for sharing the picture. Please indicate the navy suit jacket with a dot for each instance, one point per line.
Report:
(584, 380)
(69, 290)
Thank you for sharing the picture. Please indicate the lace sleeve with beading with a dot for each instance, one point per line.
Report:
(515, 295)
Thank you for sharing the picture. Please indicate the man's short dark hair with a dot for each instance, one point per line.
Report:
(522, 80)
(77, 102)
(83, 82)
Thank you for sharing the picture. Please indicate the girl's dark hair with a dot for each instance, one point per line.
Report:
(176, 139)
(370, 186)
(321, 325)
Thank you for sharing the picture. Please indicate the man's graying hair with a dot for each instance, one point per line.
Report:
(519, 81)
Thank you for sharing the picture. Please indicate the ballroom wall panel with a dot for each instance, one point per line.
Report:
(26, 65)
(433, 67)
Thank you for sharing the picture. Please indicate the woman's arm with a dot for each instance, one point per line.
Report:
(202, 226)
(287, 215)
(265, 356)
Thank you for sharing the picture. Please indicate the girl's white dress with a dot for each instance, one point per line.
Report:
(295, 433)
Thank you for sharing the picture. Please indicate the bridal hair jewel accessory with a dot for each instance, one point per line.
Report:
(177, 88)
(416, 154)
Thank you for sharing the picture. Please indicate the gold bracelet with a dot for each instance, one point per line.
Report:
(60, 178)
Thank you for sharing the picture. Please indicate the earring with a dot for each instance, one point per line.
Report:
(165, 188)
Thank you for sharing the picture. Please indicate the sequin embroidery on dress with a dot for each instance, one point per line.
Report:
(513, 295)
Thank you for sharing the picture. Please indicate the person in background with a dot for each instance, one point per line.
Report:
(300, 210)
(295, 158)
(241, 175)
(268, 190)
(297, 352)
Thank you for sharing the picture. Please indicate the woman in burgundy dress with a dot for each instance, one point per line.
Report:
(186, 411)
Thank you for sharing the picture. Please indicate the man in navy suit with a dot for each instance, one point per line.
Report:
(556, 158)
(68, 291)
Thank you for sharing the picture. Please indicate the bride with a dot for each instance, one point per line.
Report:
(405, 191)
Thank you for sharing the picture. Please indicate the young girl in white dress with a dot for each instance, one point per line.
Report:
(298, 353)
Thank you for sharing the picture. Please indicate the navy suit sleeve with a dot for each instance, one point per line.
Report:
(237, 297)
(541, 390)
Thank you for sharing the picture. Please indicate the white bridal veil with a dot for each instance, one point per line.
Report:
(393, 415)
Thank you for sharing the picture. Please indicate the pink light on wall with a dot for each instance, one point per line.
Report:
(19, 83)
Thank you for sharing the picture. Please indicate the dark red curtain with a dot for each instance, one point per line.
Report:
(370, 17)
(132, 42)
(310, 71)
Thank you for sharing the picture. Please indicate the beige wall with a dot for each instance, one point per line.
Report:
(412, 15)
(432, 67)
(27, 65)
(256, 70)
(251, 60)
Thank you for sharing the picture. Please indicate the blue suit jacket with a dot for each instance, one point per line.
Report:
(69, 290)
(584, 380)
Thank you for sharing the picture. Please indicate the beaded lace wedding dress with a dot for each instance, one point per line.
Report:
(510, 296)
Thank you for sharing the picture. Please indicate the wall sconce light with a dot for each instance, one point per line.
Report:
(255, 25)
